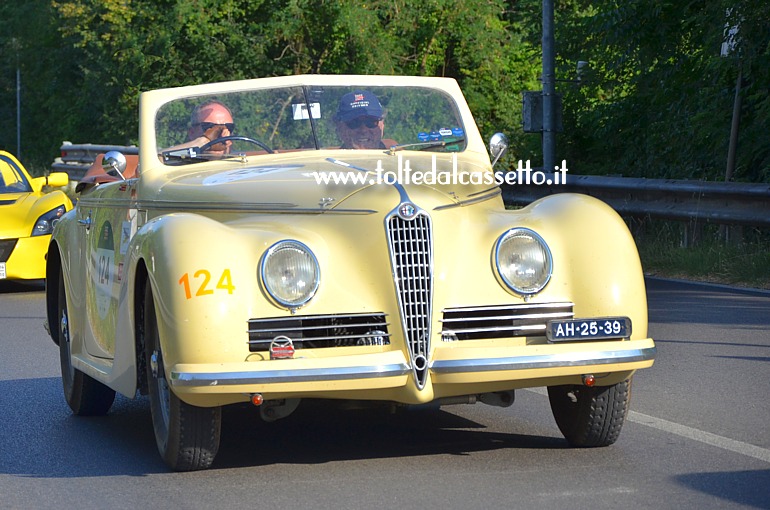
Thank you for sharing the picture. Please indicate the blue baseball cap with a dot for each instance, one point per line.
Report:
(358, 104)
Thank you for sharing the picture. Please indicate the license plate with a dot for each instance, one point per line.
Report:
(576, 330)
(2, 271)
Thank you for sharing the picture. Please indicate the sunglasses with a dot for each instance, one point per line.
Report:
(370, 122)
(205, 126)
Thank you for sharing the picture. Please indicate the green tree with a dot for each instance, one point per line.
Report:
(30, 43)
(659, 100)
(108, 51)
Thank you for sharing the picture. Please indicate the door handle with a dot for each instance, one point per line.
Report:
(86, 222)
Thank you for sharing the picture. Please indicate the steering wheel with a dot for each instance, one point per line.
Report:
(235, 138)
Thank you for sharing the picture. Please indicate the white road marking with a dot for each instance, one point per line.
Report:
(702, 436)
(749, 450)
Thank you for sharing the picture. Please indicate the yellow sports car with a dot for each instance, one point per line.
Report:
(27, 218)
(335, 237)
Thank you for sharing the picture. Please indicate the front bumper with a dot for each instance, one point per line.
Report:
(388, 376)
(28, 258)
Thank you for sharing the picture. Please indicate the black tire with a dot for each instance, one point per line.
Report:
(85, 395)
(187, 436)
(590, 416)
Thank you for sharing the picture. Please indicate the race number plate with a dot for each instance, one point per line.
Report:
(577, 330)
(2, 270)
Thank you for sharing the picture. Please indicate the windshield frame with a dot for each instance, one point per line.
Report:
(153, 102)
(21, 183)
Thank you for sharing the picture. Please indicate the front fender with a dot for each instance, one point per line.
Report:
(203, 277)
(596, 262)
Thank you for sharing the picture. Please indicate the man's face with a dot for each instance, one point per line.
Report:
(214, 121)
(361, 132)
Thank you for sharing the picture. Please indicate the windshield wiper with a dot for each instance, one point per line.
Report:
(427, 145)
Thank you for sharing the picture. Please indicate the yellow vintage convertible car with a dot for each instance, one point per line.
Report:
(334, 237)
(27, 217)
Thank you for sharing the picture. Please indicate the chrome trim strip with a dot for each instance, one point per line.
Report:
(469, 201)
(490, 318)
(118, 203)
(494, 189)
(569, 359)
(268, 208)
(287, 376)
(522, 306)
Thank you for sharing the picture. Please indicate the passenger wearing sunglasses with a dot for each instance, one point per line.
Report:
(359, 121)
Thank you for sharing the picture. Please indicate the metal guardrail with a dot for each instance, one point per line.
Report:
(77, 158)
(726, 203)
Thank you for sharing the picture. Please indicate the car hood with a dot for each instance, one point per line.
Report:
(297, 182)
(337, 182)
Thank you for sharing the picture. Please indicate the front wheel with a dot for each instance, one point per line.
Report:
(590, 416)
(187, 436)
(85, 395)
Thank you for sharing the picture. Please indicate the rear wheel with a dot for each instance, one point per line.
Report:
(187, 436)
(590, 416)
(85, 395)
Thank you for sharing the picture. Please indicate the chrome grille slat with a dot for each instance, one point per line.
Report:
(501, 321)
(411, 250)
(320, 331)
(310, 328)
(321, 316)
(534, 327)
(316, 338)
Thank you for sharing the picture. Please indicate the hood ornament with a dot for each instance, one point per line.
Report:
(407, 210)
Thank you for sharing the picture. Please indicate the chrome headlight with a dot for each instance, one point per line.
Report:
(45, 223)
(290, 273)
(523, 261)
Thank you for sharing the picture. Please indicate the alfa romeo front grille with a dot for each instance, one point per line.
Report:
(501, 321)
(319, 331)
(6, 248)
(411, 252)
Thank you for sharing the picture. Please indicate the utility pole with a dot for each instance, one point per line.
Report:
(15, 45)
(18, 110)
(549, 89)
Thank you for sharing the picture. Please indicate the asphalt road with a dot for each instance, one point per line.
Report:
(698, 435)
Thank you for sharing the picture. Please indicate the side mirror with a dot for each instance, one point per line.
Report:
(114, 163)
(498, 145)
(57, 179)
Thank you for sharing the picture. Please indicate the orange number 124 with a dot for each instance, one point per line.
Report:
(202, 278)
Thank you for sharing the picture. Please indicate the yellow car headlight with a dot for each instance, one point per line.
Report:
(45, 223)
(523, 261)
(290, 273)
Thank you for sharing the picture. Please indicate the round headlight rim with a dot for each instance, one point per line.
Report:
(549, 260)
(277, 300)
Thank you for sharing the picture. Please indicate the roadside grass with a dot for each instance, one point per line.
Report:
(744, 262)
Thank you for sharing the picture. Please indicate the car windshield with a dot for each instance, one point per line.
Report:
(12, 180)
(290, 119)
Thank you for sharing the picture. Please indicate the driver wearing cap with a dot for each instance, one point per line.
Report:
(359, 121)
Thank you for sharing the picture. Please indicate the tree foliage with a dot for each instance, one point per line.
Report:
(657, 101)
